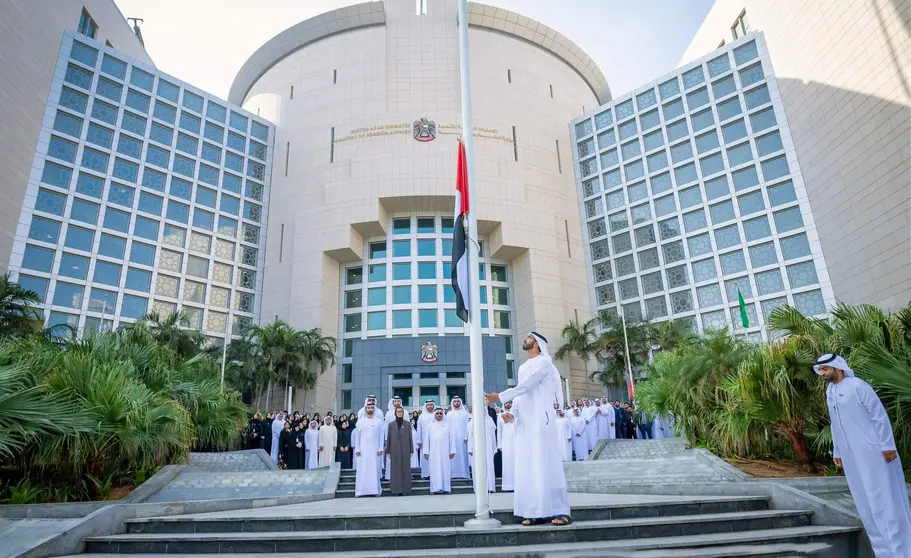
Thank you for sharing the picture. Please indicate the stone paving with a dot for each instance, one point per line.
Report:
(19, 535)
(191, 485)
(247, 460)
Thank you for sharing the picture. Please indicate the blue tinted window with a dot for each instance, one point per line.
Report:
(142, 254)
(427, 270)
(184, 166)
(109, 89)
(181, 188)
(189, 122)
(89, 185)
(216, 112)
(133, 123)
(401, 295)
(35, 284)
(763, 119)
(740, 154)
(68, 295)
(44, 230)
(204, 219)
(187, 144)
(782, 193)
(50, 202)
(745, 178)
(62, 149)
(99, 136)
(104, 112)
(79, 238)
(164, 111)
(74, 266)
(138, 279)
(83, 53)
(178, 211)
(427, 293)
(757, 97)
(56, 175)
(111, 246)
(39, 259)
(141, 79)
(238, 122)
(149, 203)
(237, 142)
(161, 134)
(157, 156)
(231, 183)
(401, 319)
(724, 87)
(208, 175)
(84, 211)
(427, 318)
(126, 170)
(211, 153)
(138, 101)
(227, 226)
(168, 90)
(192, 101)
(116, 220)
(146, 228)
(134, 306)
(401, 271)
(68, 124)
(205, 196)
(95, 160)
(214, 132)
(129, 146)
(107, 273)
(121, 195)
(78, 77)
(73, 100)
(257, 150)
(102, 301)
(153, 179)
(230, 204)
(259, 131)
(234, 162)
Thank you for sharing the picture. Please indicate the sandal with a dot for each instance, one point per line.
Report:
(562, 520)
(535, 521)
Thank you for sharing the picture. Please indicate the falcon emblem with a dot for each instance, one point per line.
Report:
(425, 130)
(429, 352)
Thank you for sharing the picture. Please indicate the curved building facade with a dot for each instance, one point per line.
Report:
(366, 106)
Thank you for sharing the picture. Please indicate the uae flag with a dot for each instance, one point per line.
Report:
(459, 238)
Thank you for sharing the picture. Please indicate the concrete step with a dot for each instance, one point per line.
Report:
(437, 538)
(421, 491)
(812, 541)
(191, 524)
(414, 482)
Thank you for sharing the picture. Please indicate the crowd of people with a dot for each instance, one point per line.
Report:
(302, 441)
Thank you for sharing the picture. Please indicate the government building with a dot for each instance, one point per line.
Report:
(321, 191)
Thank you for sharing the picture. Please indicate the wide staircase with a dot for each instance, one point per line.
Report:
(419, 486)
(706, 526)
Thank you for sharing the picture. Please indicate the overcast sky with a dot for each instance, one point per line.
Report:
(205, 42)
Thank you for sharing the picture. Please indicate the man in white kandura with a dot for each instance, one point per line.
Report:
(611, 418)
(506, 443)
(394, 403)
(371, 400)
(328, 442)
(369, 442)
(423, 419)
(577, 430)
(863, 444)
(458, 426)
(277, 426)
(438, 445)
(565, 436)
(490, 438)
(591, 430)
(540, 494)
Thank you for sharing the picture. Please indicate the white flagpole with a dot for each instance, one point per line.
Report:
(482, 518)
(629, 367)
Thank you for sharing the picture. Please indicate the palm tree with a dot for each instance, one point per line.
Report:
(173, 332)
(581, 340)
(611, 348)
(18, 315)
(671, 334)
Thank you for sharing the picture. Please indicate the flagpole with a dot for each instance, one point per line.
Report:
(629, 366)
(482, 519)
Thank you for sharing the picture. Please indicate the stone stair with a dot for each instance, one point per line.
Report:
(699, 526)
(419, 486)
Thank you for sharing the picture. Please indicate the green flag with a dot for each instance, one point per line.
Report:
(744, 319)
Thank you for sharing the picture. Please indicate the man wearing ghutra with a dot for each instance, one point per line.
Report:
(577, 428)
(371, 400)
(540, 492)
(311, 446)
(439, 446)
(458, 424)
(490, 438)
(328, 442)
(863, 444)
(423, 420)
(506, 443)
(369, 440)
(277, 426)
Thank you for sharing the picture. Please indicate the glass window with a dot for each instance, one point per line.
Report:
(149, 203)
(733, 262)
(751, 203)
(769, 282)
(112, 246)
(448, 294)
(669, 88)
(377, 250)
(78, 77)
(693, 77)
(164, 111)
(353, 299)
(645, 236)
(697, 98)
(721, 212)
(649, 120)
(694, 221)
(62, 149)
(104, 112)
(747, 52)
(734, 131)
(35, 284)
(45, 230)
(68, 124)
(401, 319)
(208, 175)
(677, 130)
(630, 150)
(724, 87)
(664, 206)
(802, 275)
(81, 52)
(87, 212)
(197, 267)
(190, 123)
(77, 237)
(138, 280)
(740, 154)
(107, 273)
(763, 120)
(73, 100)
(178, 211)
(727, 237)
(146, 228)
(627, 130)
(788, 220)
(704, 270)
(168, 90)
(795, 246)
(685, 174)
(707, 142)
(230, 204)
(501, 319)
(745, 178)
(426, 247)
(622, 243)
(205, 196)
(681, 152)
(652, 141)
(751, 75)
(68, 295)
(95, 160)
(134, 306)
(375, 320)
(606, 139)
(174, 236)
(238, 122)
(158, 157)
(690, 197)
(657, 161)
(402, 295)
(161, 134)
(769, 143)
(39, 259)
(447, 247)
(720, 65)
(712, 164)
(180, 188)
(98, 136)
(216, 112)
(354, 276)
(121, 195)
(142, 254)
(669, 228)
(497, 273)
(192, 101)
(782, 193)
(204, 219)
(138, 101)
(763, 254)
(757, 97)
(109, 89)
(376, 296)
(376, 272)
(427, 318)
(427, 270)
(401, 226)
(141, 79)
(775, 168)
(672, 110)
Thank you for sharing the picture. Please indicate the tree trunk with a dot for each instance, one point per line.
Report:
(800, 447)
(259, 397)
(269, 396)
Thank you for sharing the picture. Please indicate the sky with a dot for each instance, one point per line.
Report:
(205, 42)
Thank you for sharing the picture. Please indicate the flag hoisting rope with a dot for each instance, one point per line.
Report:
(465, 281)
